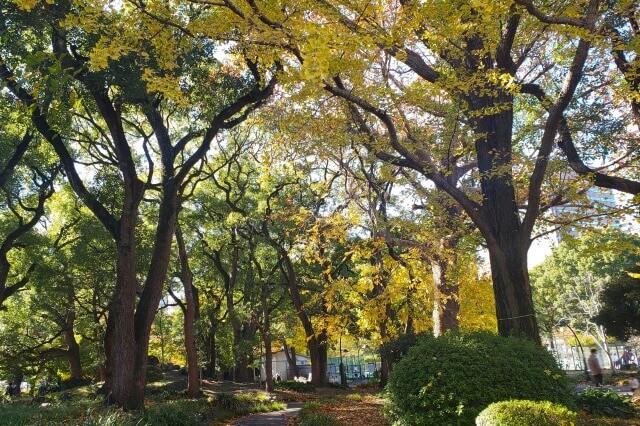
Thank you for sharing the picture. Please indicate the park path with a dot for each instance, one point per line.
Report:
(275, 418)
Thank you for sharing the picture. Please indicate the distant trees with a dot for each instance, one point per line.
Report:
(620, 306)
(571, 284)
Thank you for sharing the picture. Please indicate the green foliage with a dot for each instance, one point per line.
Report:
(89, 411)
(295, 386)
(395, 349)
(605, 403)
(568, 283)
(20, 414)
(109, 418)
(526, 413)
(245, 403)
(231, 402)
(318, 419)
(176, 413)
(154, 374)
(9, 415)
(309, 416)
(450, 379)
(620, 311)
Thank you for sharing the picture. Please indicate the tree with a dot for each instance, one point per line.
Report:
(190, 310)
(568, 284)
(26, 183)
(60, 318)
(471, 67)
(128, 95)
(620, 306)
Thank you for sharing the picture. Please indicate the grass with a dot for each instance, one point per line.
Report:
(84, 407)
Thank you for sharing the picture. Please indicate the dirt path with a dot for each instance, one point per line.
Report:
(275, 418)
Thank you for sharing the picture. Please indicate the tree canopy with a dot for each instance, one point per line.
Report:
(249, 175)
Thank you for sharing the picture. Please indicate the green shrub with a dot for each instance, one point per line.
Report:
(154, 374)
(57, 414)
(526, 413)
(309, 408)
(450, 379)
(337, 385)
(231, 402)
(295, 386)
(605, 403)
(18, 414)
(354, 397)
(318, 419)
(245, 403)
(309, 416)
(175, 413)
(371, 384)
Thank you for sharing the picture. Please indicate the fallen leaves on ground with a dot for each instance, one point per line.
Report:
(350, 411)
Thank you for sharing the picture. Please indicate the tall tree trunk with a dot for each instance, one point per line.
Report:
(212, 353)
(73, 355)
(152, 292)
(266, 337)
(323, 356)
(73, 349)
(514, 303)
(241, 369)
(446, 305)
(128, 328)
(290, 354)
(385, 367)
(120, 333)
(318, 375)
(507, 241)
(193, 388)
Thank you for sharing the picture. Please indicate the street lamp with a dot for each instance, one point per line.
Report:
(563, 323)
(343, 373)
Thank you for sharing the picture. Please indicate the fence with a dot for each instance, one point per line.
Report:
(570, 357)
(357, 368)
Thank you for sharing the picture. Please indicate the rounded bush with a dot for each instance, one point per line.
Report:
(452, 378)
(526, 413)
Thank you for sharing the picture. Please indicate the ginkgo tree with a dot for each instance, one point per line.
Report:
(509, 75)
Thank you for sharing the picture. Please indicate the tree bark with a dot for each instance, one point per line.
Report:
(385, 367)
(318, 375)
(507, 241)
(266, 337)
(211, 366)
(193, 388)
(73, 355)
(290, 354)
(446, 305)
(323, 356)
(152, 292)
(514, 304)
(120, 339)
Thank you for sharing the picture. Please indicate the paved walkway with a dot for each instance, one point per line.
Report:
(275, 418)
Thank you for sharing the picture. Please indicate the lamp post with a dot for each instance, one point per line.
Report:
(343, 374)
(563, 323)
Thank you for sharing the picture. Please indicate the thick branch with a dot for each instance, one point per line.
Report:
(15, 158)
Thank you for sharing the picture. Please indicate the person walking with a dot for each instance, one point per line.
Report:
(594, 367)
